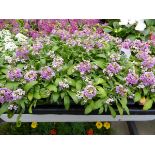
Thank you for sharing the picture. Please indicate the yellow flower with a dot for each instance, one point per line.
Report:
(99, 125)
(34, 125)
(106, 125)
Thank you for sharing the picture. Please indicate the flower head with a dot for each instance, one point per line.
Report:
(149, 62)
(113, 68)
(53, 132)
(121, 90)
(47, 73)
(14, 74)
(18, 94)
(89, 91)
(90, 131)
(34, 125)
(22, 54)
(30, 76)
(84, 67)
(132, 78)
(57, 62)
(5, 95)
(106, 125)
(148, 78)
(99, 125)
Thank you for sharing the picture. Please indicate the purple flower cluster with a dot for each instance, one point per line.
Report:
(5, 95)
(89, 91)
(47, 73)
(148, 78)
(14, 74)
(132, 78)
(149, 62)
(37, 47)
(121, 90)
(30, 76)
(22, 54)
(84, 67)
(113, 68)
(142, 55)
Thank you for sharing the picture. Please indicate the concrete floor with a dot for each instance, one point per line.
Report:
(144, 128)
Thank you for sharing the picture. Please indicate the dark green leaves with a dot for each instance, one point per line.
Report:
(29, 85)
(4, 108)
(148, 104)
(137, 97)
(52, 87)
(66, 102)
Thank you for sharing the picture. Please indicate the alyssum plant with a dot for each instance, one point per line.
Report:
(88, 68)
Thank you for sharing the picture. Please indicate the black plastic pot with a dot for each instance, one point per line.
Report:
(134, 108)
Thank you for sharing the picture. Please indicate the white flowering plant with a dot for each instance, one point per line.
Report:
(86, 66)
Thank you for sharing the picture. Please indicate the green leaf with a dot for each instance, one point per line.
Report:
(78, 85)
(52, 87)
(99, 81)
(30, 96)
(66, 102)
(100, 63)
(29, 85)
(148, 104)
(55, 97)
(57, 81)
(119, 108)
(73, 96)
(101, 110)
(44, 93)
(113, 113)
(12, 85)
(88, 109)
(98, 104)
(123, 101)
(101, 92)
(145, 90)
(70, 70)
(137, 97)
(4, 108)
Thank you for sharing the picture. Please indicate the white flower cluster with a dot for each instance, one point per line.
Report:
(109, 100)
(63, 84)
(17, 94)
(21, 38)
(140, 25)
(8, 41)
(12, 107)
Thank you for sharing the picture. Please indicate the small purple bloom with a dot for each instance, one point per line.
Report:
(30, 76)
(121, 90)
(113, 68)
(14, 74)
(5, 95)
(132, 78)
(84, 67)
(89, 91)
(142, 55)
(22, 54)
(149, 62)
(47, 73)
(148, 78)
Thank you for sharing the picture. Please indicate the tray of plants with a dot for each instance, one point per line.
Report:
(77, 70)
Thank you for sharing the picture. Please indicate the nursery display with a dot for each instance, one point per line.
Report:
(83, 62)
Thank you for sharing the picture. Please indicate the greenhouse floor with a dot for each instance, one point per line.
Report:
(144, 128)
